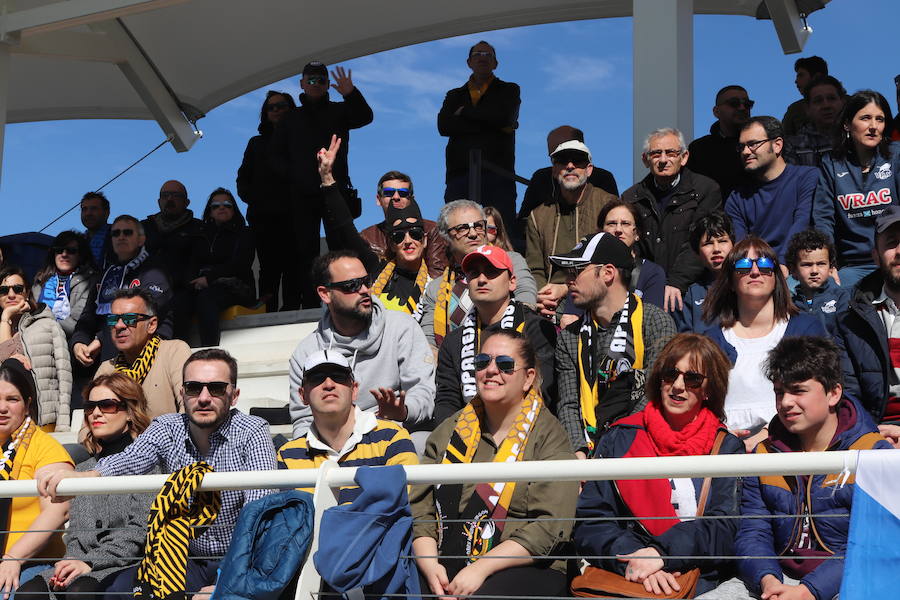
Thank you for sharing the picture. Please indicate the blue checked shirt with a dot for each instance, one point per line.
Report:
(241, 443)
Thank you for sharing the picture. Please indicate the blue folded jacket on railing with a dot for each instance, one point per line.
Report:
(364, 539)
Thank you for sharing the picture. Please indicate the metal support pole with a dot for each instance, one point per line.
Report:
(4, 95)
(475, 175)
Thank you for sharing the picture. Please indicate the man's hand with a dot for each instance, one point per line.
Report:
(343, 82)
(639, 567)
(549, 296)
(391, 405)
(772, 589)
(203, 593)
(9, 575)
(66, 571)
(49, 479)
(201, 283)
(467, 581)
(662, 583)
(87, 354)
(326, 160)
(672, 300)
(891, 433)
(833, 273)
(436, 576)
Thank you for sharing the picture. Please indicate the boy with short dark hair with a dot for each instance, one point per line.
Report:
(711, 237)
(813, 415)
(810, 257)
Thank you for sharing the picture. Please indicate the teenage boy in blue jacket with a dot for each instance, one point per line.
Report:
(711, 237)
(811, 259)
(813, 416)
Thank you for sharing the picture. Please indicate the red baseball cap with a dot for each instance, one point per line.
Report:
(495, 255)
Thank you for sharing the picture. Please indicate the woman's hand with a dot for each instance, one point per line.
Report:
(9, 574)
(751, 442)
(639, 568)
(662, 583)
(436, 576)
(66, 571)
(14, 311)
(469, 580)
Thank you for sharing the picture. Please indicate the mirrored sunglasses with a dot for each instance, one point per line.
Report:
(744, 265)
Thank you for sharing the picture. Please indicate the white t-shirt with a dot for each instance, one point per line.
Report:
(750, 402)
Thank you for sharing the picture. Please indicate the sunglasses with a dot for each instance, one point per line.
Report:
(416, 233)
(743, 266)
(692, 379)
(578, 159)
(65, 250)
(505, 364)
(130, 319)
(108, 406)
(738, 102)
(121, 232)
(350, 286)
(389, 192)
(221, 205)
(317, 378)
(217, 389)
(492, 229)
(462, 229)
(163, 195)
(316, 79)
(17, 289)
(277, 106)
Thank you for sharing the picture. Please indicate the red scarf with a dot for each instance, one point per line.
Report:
(655, 437)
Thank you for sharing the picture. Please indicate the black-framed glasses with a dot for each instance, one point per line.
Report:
(108, 406)
(216, 388)
(692, 379)
(389, 192)
(505, 364)
(462, 229)
(743, 266)
(277, 106)
(416, 233)
(317, 378)
(65, 250)
(17, 289)
(221, 205)
(121, 232)
(130, 319)
(753, 145)
(578, 159)
(738, 102)
(669, 152)
(350, 286)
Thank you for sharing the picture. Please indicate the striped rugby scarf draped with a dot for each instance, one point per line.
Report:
(141, 366)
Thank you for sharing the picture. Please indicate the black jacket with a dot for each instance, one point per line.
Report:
(266, 193)
(489, 125)
(866, 358)
(665, 238)
(304, 130)
(171, 247)
(716, 156)
(543, 190)
(449, 397)
(225, 252)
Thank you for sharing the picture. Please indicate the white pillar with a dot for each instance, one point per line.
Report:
(4, 94)
(663, 32)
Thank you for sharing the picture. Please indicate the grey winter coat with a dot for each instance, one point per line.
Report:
(79, 290)
(45, 346)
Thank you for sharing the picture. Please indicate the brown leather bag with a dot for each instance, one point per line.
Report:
(600, 583)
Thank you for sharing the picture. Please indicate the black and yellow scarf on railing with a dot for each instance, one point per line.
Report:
(142, 364)
(9, 470)
(447, 309)
(392, 297)
(599, 367)
(513, 318)
(476, 529)
(177, 516)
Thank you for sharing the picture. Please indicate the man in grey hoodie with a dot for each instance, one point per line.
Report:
(391, 358)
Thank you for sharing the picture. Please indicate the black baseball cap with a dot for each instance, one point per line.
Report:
(596, 249)
(889, 216)
(315, 68)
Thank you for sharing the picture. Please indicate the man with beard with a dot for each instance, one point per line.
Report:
(714, 155)
(825, 98)
(869, 331)
(777, 202)
(601, 358)
(555, 227)
(386, 348)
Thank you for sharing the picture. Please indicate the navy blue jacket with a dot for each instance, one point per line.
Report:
(366, 538)
(690, 318)
(270, 542)
(774, 210)
(798, 325)
(863, 338)
(846, 204)
(782, 495)
(699, 537)
(825, 303)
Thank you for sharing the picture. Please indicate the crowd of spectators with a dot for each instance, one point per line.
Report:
(741, 297)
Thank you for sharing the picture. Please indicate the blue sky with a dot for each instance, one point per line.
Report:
(577, 73)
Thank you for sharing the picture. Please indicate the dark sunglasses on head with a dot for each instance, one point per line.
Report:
(738, 102)
(389, 192)
(317, 378)
(277, 106)
(505, 364)
(216, 388)
(64, 250)
(692, 379)
(17, 289)
(221, 205)
(130, 319)
(464, 228)
(744, 265)
(578, 159)
(122, 232)
(350, 286)
(108, 406)
(416, 233)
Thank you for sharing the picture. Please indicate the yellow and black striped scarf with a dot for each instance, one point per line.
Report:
(384, 278)
(142, 364)
(9, 470)
(175, 518)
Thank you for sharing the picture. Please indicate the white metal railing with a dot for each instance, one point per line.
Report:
(328, 479)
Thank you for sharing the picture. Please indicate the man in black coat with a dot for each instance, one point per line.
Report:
(668, 200)
(483, 114)
(297, 139)
(716, 155)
